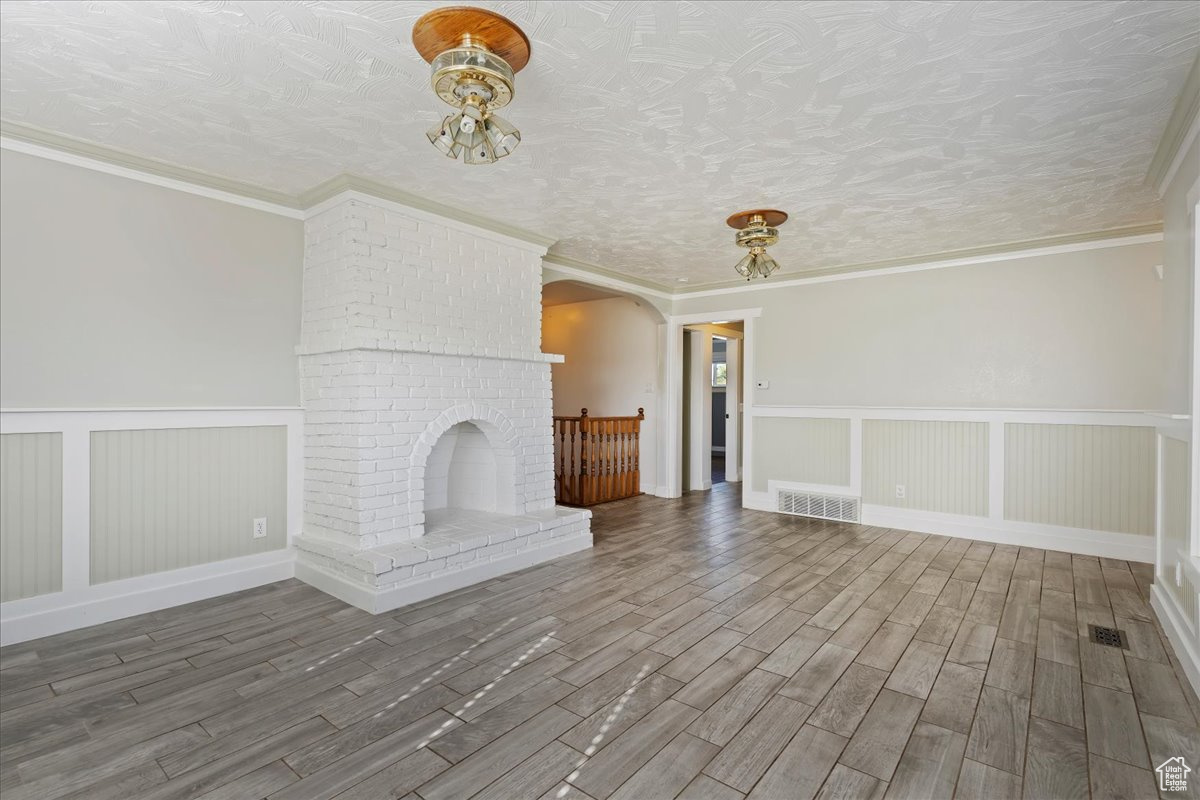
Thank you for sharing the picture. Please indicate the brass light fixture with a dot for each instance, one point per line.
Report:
(475, 55)
(757, 230)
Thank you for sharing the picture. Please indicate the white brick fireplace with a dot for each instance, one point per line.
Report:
(428, 440)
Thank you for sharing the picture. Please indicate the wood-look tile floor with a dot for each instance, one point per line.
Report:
(698, 651)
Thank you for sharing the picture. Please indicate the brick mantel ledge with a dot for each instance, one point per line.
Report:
(436, 350)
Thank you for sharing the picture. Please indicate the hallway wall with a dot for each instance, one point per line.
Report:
(612, 365)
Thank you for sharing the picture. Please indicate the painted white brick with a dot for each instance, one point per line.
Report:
(410, 327)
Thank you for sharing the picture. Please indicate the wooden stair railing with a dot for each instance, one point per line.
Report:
(596, 458)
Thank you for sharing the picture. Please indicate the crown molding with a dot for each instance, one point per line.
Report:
(605, 277)
(342, 184)
(1114, 237)
(1121, 237)
(1179, 135)
(69, 150)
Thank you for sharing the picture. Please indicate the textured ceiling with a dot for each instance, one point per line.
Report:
(886, 129)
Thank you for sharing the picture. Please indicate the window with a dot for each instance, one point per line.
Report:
(720, 374)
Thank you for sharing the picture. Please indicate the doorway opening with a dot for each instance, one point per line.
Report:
(713, 392)
(613, 344)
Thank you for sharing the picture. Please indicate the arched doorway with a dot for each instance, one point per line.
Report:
(613, 346)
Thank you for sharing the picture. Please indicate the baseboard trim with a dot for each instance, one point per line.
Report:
(758, 501)
(1025, 534)
(377, 602)
(1124, 546)
(50, 614)
(1170, 616)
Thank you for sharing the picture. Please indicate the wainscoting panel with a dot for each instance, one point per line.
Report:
(1176, 498)
(1081, 476)
(943, 466)
(801, 450)
(1186, 596)
(171, 498)
(30, 514)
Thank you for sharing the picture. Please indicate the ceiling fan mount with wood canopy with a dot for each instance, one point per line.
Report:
(757, 230)
(474, 55)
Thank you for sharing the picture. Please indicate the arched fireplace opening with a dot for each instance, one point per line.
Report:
(467, 474)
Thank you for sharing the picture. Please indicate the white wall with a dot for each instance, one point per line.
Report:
(1073, 330)
(1176, 594)
(612, 365)
(117, 293)
(1177, 286)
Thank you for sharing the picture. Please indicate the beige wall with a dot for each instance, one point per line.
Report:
(117, 293)
(165, 499)
(612, 364)
(943, 466)
(800, 450)
(30, 514)
(1078, 330)
(1081, 476)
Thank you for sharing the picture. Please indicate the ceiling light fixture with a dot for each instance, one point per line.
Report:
(474, 55)
(757, 230)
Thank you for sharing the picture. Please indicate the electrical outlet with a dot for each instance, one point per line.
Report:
(260, 528)
(762, 384)
(899, 491)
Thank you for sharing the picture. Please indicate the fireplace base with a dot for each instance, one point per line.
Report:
(459, 548)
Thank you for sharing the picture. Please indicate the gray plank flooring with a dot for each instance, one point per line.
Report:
(698, 651)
